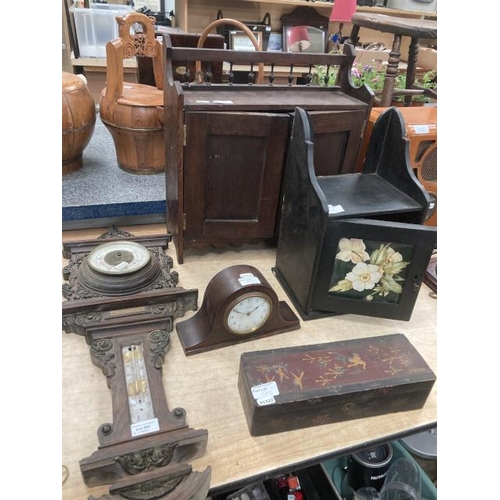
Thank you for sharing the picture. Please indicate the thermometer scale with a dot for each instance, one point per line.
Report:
(140, 403)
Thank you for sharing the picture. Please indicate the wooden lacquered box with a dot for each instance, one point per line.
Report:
(305, 386)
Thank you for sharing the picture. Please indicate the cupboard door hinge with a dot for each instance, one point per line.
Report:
(184, 131)
(184, 222)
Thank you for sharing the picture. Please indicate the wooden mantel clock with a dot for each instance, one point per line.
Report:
(123, 298)
(239, 304)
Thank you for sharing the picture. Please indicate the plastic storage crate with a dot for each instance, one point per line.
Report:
(96, 26)
(335, 470)
(417, 5)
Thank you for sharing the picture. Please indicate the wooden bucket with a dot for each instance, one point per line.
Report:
(135, 122)
(78, 121)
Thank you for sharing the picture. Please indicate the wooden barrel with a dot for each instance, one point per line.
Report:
(78, 121)
(135, 122)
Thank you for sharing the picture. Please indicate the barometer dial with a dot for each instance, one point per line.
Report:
(119, 257)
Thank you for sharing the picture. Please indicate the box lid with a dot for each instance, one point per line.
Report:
(334, 369)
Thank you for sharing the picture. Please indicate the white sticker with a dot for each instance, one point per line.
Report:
(222, 102)
(269, 400)
(265, 390)
(248, 279)
(335, 209)
(199, 101)
(145, 427)
(421, 129)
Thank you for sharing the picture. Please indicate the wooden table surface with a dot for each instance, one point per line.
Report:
(205, 384)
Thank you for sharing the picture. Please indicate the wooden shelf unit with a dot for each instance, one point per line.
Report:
(194, 15)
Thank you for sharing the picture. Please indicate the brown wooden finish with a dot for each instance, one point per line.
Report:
(145, 443)
(238, 24)
(207, 330)
(431, 275)
(81, 287)
(115, 438)
(336, 139)
(415, 29)
(206, 385)
(115, 234)
(304, 15)
(145, 72)
(227, 180)
(133, 113)
(78, 121)
(293, 388)
(178, 482)
(226, 143)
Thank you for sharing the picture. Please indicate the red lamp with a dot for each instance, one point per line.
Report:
(298, 39)
(342, 12)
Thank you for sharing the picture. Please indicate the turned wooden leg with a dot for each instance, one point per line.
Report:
(411, 68)
(354, 36)
(391, 72)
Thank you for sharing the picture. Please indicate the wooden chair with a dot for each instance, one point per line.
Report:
(415, 29)
(133, 112)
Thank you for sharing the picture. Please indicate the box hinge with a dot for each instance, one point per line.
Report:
(184, 223)
(184, 130)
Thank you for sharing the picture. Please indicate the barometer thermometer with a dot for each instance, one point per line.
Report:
(122, 297)
(140, 403)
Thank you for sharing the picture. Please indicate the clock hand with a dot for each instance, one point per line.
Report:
(240, 312)
(247, 313)
(254, 309)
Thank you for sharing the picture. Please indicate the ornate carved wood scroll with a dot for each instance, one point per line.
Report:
(124, 304)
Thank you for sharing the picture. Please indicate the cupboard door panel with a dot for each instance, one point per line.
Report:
(337, 137)
(233, 169)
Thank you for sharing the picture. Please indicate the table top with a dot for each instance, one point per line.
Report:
(205, 384)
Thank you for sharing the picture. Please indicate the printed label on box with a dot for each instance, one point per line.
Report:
(248, 279)
(262, 391)
(266, 401)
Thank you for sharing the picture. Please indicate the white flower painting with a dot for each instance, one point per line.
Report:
(369, 269)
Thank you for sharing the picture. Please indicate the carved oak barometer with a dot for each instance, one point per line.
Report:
(123, 298)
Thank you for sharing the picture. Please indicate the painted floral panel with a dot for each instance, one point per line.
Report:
(370, 270)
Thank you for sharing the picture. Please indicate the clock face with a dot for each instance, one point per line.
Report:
(248, 313)
(118, 257)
